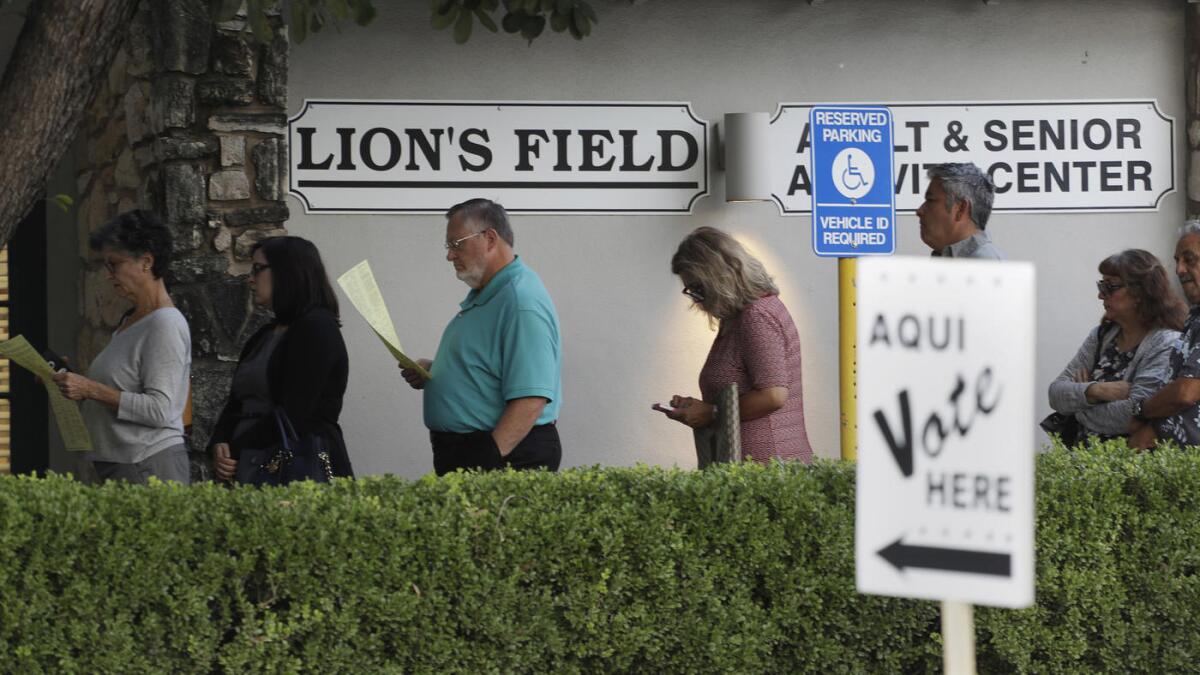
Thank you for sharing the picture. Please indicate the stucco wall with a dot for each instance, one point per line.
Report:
(629, 338)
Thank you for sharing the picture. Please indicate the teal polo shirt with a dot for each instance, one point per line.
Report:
(503, 344)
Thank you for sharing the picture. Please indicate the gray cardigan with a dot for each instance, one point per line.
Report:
(1147, 373)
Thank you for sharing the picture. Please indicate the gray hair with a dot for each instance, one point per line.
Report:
(136, 232)
(489, 213)
(1190, 226)
(965, 181)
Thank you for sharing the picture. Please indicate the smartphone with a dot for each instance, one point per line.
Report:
(57, 363)
(662, 408)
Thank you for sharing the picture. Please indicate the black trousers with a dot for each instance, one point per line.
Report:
(539, 449)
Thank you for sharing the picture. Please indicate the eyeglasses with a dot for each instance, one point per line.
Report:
(456, 245)
(112, 266)
(1107, 288)
(695, 292)
(255, 268)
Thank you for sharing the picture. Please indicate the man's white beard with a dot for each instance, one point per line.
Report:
(470, 276)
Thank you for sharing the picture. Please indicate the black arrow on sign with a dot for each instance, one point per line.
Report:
(901, 555)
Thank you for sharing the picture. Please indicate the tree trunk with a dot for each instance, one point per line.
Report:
(65, 49)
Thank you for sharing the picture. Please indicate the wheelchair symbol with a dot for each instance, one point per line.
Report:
(853, 173)
(852, 178)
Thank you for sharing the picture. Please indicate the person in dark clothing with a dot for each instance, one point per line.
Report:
(297, 362)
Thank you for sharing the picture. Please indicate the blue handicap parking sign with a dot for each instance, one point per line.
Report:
(853, 199)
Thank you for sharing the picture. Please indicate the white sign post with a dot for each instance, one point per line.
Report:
(533, 157)
(945, 503)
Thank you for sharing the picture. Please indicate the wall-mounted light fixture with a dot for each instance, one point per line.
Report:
(747, 167)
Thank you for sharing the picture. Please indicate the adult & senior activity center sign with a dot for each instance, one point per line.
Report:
(1044, 156)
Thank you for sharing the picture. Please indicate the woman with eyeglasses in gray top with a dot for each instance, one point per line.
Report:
(136, 388)
(1127, 356)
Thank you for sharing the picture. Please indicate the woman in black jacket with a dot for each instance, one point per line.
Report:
(297, 362)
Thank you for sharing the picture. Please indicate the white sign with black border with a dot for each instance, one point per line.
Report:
(1044, 156)
(351, 156)
(945, 503)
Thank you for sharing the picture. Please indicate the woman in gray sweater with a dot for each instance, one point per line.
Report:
(136, 389)
(1127, 356)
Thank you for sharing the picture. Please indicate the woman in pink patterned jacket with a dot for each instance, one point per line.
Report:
(757, 347)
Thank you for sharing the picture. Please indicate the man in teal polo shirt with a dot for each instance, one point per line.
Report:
(496, 382)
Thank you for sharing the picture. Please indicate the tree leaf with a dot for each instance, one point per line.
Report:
(299, 23)
(462, 27)
(532, 26)
(588, 11)
(511, 22)
(440, 21)
(580, 21)
(547, 6)
(63, 202)
(471, 4)
(486, 20)
(364, 12)
(559, 22)
(260, 26)
(340, 8)
(445, 5)
(564, 6)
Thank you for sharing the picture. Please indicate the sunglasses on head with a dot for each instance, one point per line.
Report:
(695, 292)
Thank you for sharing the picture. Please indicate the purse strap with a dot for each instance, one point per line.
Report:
(1101, 332)
(287, 433)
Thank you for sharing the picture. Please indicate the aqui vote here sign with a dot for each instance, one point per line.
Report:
(854, 206)
(945, 503)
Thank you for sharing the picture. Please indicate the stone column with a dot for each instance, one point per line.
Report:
(190, 125)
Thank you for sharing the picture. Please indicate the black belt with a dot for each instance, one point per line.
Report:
(450, 435)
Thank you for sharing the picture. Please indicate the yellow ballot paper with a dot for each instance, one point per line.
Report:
(66, 412)
(359, 284)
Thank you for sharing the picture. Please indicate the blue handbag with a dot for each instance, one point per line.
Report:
(293, 459)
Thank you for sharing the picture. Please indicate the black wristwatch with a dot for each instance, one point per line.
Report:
(1137, 410)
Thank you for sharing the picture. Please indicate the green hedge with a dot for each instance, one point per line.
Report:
(737, 569)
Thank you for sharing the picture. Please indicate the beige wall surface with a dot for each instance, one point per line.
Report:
(629, 338)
